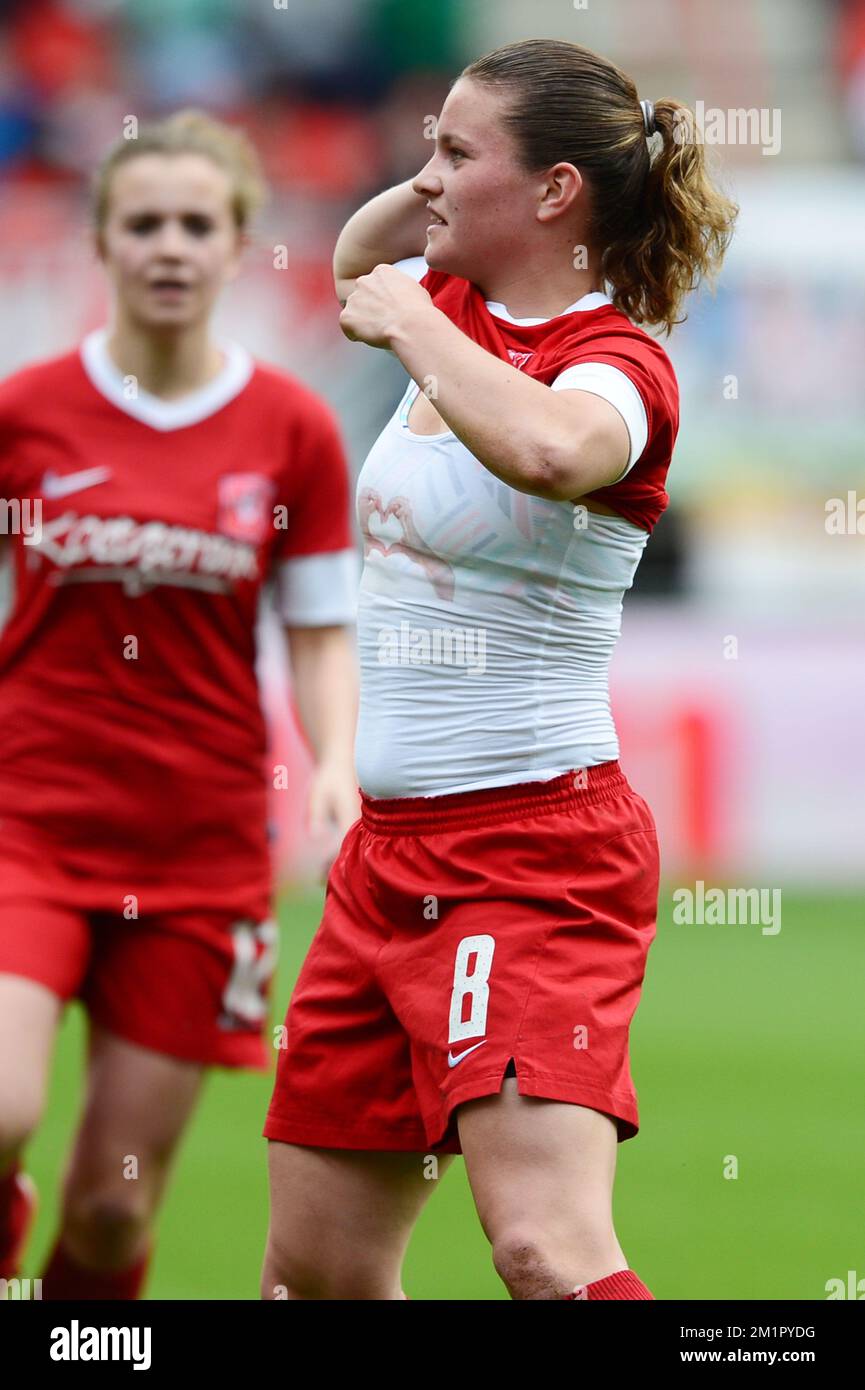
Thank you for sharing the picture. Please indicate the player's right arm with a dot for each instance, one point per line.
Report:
(390, 227)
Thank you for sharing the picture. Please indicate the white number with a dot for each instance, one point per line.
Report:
(474, 985)
(244, 994)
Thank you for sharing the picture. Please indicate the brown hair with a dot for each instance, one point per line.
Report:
(189, 132)
(660, 222)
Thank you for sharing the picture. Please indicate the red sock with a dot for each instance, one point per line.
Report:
(8, 1204)
(15, 1214)
(66, 1279)
(623, 1284)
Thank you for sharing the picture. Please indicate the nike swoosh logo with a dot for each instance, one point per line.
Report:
(454, 1061)
(62, 484)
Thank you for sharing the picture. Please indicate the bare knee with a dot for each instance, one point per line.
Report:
(525, 1263)
(289, 1275)
(283, 1278)
(537, 1263)
(106, 1227)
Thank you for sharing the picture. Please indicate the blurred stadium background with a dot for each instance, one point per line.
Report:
(739, 684)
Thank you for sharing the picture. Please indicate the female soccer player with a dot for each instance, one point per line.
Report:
(175, 476)
(487, 921)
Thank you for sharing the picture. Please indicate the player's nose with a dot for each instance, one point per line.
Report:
(170, 240)
(427, 184)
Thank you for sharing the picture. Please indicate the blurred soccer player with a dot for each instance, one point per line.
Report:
(176, 476)
(486, 929)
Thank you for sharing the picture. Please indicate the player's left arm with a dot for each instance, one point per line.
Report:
(317, 570)
(552, 444)
(325, 686)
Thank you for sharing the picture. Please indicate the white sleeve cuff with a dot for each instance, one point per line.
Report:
(415, 266)
(319, 590)
(615, 386)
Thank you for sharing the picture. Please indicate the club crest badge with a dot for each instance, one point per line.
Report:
(519, 359)
(245, 506)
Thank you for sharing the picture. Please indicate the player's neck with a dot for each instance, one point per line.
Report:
(527, 292)
(168, 365)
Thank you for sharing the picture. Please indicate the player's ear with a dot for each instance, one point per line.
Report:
(563, 187)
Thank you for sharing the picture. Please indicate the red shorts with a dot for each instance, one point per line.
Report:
(463, 932)
(192, 985)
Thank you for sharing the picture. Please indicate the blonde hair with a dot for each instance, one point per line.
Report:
(661, 223)
(189, 132)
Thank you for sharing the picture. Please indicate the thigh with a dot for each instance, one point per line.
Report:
(29, 1015)
(137, 1104)
(544, 1164)
(44, 948)
(341, 1219)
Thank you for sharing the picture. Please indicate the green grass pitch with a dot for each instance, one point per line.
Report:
(744, 1045)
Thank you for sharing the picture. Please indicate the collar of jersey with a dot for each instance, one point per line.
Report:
(594, 300)
(152, 410)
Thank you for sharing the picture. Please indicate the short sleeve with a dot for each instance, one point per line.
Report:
(615, 386)
(316, 563)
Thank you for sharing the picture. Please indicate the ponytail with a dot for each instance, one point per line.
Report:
(683, 227)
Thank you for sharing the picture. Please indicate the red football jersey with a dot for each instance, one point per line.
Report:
(545, 350)
(133, 751)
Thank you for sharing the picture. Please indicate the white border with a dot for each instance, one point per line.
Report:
(417, 267)
(151, 410)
